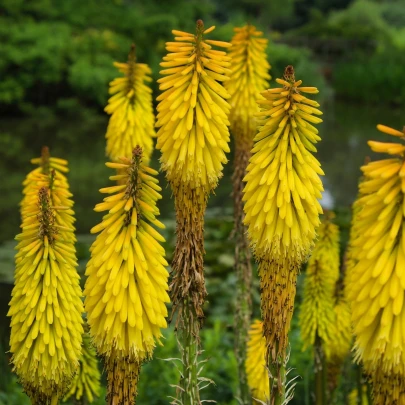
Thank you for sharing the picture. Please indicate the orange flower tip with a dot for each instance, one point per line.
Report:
(390, 131)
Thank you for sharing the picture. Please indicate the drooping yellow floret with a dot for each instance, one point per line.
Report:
(317, 317)
(87, 380)
(283, 184)
(192, 111)
(46, 306)
(249, 76)
(256, 370)
(130, 106)
(126, 288)
(376, 286)
(46, 165)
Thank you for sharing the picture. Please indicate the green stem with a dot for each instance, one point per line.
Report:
(243, 269)
(277, 378)
(320, 386)
(54, 400)
(359, 386)
(190, 394)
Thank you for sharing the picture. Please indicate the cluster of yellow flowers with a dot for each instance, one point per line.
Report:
(281, 200)
(192, 111)
(249, 76)
(256, 368)
(317, 317)
(376, 284)
(87, 379)
(126, 276)
(132, 118)
(46, 307)
(283, 185)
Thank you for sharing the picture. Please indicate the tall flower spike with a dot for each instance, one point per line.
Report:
(248, 77)
(256, 369)
(46, 306)
(282, 208)
(46, 164)
(131, 109)
(126, 288)
(192, 111)
(317, 316)
(87, 380)
(376, 284)
(193, 138)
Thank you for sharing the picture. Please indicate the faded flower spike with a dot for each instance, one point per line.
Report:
(46, 306)
(317, 317)
(249, 76)
(256, 369)
(126, 288)
(87, 380)
(130, 106)
(192, 111)
(376, 286)
(281, 206)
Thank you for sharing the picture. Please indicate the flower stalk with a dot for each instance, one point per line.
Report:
(282, 209)
(193, 138)
(126, 288)
(248, 77)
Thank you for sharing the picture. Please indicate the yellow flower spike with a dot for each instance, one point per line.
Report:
(376, 283)
(317, 316)
(193, 111)
(87, 380)
(126, 288)
(281, 205)
(46, 306)
(193, 138)
(256, 370)
(130, 106)
(249, 76)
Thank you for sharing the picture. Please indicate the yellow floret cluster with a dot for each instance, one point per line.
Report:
(130, 106)
(193, 112)
(249, 76)
(256, 370)
(282, 182)
(126, 288)
(376, 286)
(317, 316)
(46, 306)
